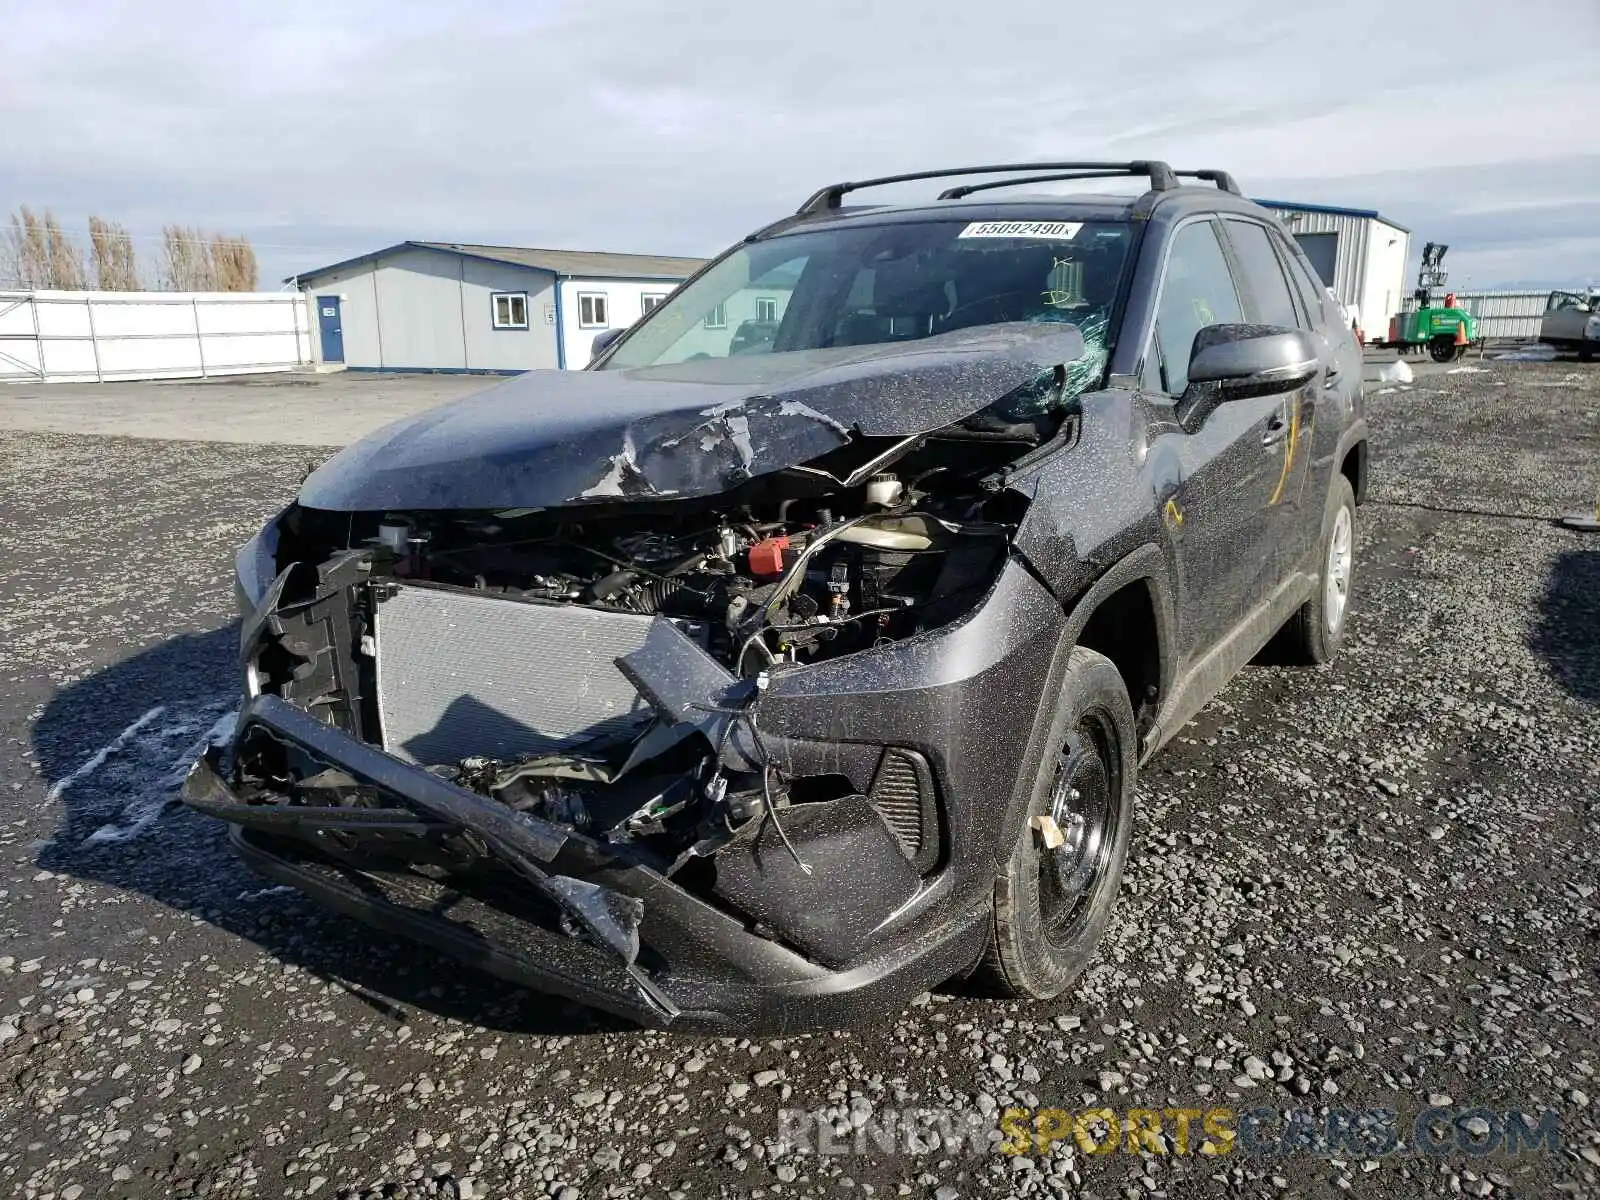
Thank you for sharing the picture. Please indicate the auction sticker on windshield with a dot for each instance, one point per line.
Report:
(1051, 230)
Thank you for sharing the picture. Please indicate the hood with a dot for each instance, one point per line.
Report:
(551, 438)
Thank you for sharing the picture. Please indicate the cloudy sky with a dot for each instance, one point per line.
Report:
(325, 129)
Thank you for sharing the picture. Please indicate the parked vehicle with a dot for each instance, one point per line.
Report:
(1572, 322)
(764, 690)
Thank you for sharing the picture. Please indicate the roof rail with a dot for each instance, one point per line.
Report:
(967, 189)
(1221, 178)
(1160, 175)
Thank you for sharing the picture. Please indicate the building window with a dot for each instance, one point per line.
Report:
(509, 309)
(650, 300)
(766, 308)
(592, 311)
(717, 318)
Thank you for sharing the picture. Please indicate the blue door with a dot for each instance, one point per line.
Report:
(332, 331)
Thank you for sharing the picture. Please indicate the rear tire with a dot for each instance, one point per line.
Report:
(1586, 352)
(1313, 635)
(1051, 906)
(1442, 349)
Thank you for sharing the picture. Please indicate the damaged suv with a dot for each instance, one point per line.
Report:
(761, 682)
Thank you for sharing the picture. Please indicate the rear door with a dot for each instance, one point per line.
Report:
(1339, 400)
(1219, 476)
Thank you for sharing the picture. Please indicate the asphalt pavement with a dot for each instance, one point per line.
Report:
(1368, 887)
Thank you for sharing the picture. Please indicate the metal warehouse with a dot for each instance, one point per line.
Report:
(1359, 254)
(446, 306)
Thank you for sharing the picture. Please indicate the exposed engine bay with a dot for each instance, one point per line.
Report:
(600, 667)
(794, 582)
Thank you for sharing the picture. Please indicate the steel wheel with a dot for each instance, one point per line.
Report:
(1082, 807)
(1052, 902)
(1336, 579)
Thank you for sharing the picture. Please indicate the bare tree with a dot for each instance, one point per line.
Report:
(39, 255)
(66, 260)
(186, 260)
(27, 250)
(235, 263)
(111, 248)
(35, 253)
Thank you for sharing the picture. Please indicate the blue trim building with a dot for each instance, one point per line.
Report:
(464, 307)
(1361, 255)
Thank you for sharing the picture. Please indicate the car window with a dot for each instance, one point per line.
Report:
(1264, 275)
(846, 285)
(741, 318)
(1198, 290)
(1312, 293)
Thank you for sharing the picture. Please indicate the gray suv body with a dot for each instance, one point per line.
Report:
(762, 683)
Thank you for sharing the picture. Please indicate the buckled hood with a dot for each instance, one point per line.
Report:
(551, 438)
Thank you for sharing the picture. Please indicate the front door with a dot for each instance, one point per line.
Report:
(331, 331)
(1295, 520)
(1220, 475)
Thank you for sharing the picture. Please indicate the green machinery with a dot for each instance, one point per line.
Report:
(1445, 330)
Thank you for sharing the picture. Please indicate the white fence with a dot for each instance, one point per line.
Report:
(1506, 314)
(99, 336)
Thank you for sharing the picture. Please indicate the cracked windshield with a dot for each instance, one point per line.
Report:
(874, 285)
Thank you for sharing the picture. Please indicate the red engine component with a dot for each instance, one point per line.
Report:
(766, 556)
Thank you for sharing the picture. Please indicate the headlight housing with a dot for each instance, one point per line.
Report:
(255, 566)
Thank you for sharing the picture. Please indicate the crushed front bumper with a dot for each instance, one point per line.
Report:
(578, 920)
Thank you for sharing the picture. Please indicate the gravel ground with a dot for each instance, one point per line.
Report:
(1368, 886)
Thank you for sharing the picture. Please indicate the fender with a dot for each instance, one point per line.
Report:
(1146, 564)
(1355, 435)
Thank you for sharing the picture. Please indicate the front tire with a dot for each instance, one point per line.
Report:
(1313, 635)
(1052, 904)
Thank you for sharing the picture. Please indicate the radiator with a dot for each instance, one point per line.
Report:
(462, 674)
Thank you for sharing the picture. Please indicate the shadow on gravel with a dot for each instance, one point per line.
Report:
(121, 825)
(1567, 633)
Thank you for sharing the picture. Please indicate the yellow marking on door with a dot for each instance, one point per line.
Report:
(1288, 457)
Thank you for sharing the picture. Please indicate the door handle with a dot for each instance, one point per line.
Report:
(1277, 430)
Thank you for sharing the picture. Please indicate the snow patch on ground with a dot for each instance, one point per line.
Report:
(98, 759)
(136, 775)
(281, 889)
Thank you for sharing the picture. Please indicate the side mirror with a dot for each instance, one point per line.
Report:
(602, 340)
(1252, 360)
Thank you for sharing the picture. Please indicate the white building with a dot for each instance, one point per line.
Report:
(1359, 254)
(438, 306)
